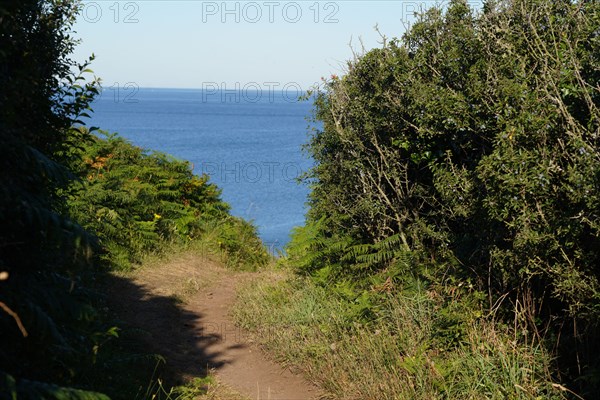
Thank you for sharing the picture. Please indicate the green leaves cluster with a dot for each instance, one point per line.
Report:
(71, 205)
(135, 201)
(48, 320)
(139, 203)
(472, 145)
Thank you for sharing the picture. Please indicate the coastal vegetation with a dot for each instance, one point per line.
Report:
(451, 246)
(76, 204)
(450, 250)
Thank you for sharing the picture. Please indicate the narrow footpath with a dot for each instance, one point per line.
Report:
(183, 305)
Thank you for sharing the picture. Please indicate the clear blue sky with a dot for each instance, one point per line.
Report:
(191, 44)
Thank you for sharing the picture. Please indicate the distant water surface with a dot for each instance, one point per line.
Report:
(248, 142)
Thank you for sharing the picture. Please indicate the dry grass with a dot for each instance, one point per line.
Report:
(200, 272)
(395, 358)
(208, 388)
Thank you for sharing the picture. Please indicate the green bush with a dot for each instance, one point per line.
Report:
(48, 319)
(69, 199)
(138, 203)
(466, 153)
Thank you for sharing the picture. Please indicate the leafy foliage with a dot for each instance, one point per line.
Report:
(138, 203)
(55, 226)
(466, 153)
(47, 319)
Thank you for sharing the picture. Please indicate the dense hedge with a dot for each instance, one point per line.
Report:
(73, 206)
(48, 324)
(466, 155)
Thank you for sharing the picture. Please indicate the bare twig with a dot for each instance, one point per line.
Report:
(16, 318)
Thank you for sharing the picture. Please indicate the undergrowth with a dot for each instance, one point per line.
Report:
(397, 355)
(143, 207)
(141, 203)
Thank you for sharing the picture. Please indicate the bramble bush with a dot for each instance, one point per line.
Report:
(465, 155)
(138, 203)
(48, 322)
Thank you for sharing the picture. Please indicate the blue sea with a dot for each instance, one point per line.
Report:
(249, 143)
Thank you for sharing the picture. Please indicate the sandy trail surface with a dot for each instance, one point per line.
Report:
(183, 305)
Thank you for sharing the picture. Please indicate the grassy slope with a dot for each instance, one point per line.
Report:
(400, 355)
(141, 207)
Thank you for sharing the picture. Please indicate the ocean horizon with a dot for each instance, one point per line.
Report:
(247, 141)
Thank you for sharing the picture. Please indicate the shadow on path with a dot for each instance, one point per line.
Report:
(198, 336)
(166, 327)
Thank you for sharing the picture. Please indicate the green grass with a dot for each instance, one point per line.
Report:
(195, 389)
(397, 356)
(207, 388)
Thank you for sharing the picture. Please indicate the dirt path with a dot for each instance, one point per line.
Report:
(183, 304)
